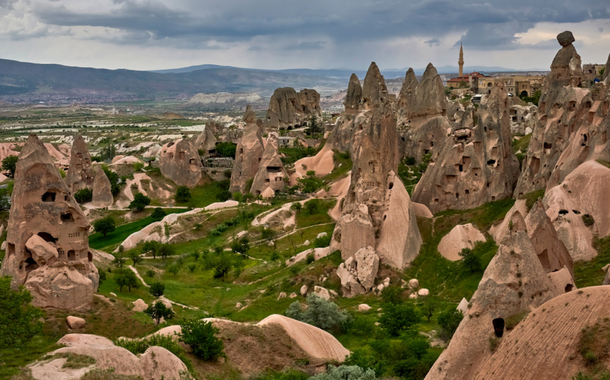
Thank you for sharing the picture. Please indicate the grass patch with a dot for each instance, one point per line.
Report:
(75, 361)
(205, 195)
(531, 198)
(522, 143)
(589, 273)
(316, 215)
(605, 163)
(343, 164)
(98, 241)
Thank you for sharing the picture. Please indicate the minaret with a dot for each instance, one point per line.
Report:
(461, 61)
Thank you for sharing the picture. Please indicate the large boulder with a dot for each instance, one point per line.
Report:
(206, 140)
(460, 237)
(58, 267)
(249, 153)
(181, 163)
(80, 174)
(102, 189)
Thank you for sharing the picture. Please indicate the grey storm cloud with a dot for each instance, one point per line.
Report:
(492, 23)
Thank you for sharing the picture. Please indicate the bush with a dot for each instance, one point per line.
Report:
(138, 166)
(313, 206)
(449, 320)
(139, 346)
(83, 195)
(158, 214)
(471, 261)
(346, 372)
(174, 269)
(319, 312)
(201, 337)
(165, 250)
(242, 246)
(126, 278)
(392, 295)
(310, 258)
(588, 220)
(139, 203)
(150, 273)
(222, 265)
(151, 246)
(399, 318)
(322, 241)
(226, 149)
(156, 288)
(104, 226)
(183, 194)
(19, 321)
(158, 310)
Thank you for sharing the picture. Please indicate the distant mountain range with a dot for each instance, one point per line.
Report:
(22, 82)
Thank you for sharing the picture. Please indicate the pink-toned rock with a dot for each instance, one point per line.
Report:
(80, 174)
(249, 153)
(460, 237)
(75, 322)
(271, 173)
(181, 163)
(102, 189)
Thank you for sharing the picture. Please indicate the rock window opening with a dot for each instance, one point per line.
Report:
(67, 217)
(467, 191)
(49, 196)
(47, 237)
(461, 167)
(10, 249)
(30, 264)
(576, 212)
(548, 145)
(491, 162)
(572, 106)
(569, 288)
(391, 185)
(563, 212)
(71, 255)
(89, 257)
(192, 161)
(498, 325)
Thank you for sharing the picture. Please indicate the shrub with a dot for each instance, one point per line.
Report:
(158, 214)
(313, 206)
(588, 220)
(150, 246)
(201, 337)
(126, 278)
(310, 258)
(158, 310)
(471, 260)
(104, 226)
(138, 166)
(156, 288)
(222, 265)
(319, 312)
(83, 195)
(150, 273)
(192, 267)
(242, 246)
(174, 269)
(346, 372)
(392, 295)
(140, 201)
(449, 320)
(139, 346)
(165, 250)
(399, 318)
(322, 241)
(19, 320)
(226, 149)
(183, 194)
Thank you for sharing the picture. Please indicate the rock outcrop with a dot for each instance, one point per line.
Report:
(80, 174)
(572, 125)
(581, 196)
(288, 109)
(377, 211)
(181, 163)
(476, 163)
(513, 283)
(460, 237)
(206, 140)
(249, 153)
(102, 189)
(47, 242)
(271, 174)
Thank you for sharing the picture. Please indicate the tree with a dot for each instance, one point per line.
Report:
(296, 206)
(158, 310)
(428, 308)
(165, 250)
(134, 255)
(183, 194)
(449, 320)
(471, 260)
(157, 289)
(140, 201)
(226, 149)
(392, 295)
(319, 312)
(126, 278)
(158, 214)
(201, 337)
(174, 269)
(83, 195)
(241, 246)
(150, 246)
(104, 226)
(138, 166)
(9, 164)
(399, 318)
(222, 265)
(19, 321)
(313, 128)
(119, 260)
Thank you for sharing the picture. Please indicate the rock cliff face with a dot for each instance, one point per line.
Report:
(572, 125)
(181, 163)
(475, 164)
(378, 221)
(47, 246)
(513, 283)
(80, 174)
(102, 189)
(206, 140)
(422, 114)
(249, 153)
(271, 173)
(287, 108)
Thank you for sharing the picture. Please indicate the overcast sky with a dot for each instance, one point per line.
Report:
(277, 34)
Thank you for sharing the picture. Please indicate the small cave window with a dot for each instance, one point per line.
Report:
(563, 212)
(10, 249)
(65, 198)
(467, 191)
(391, 185)
(67, 217)
(461, 167)
(457, 195)
(498, 325)
(491, 162)
(49, 196)
(192, 161)
(71, 255)
(568, 288)
(30, 264)
(493, 197)
(47, 237)
(89, 256)
(548, 145)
